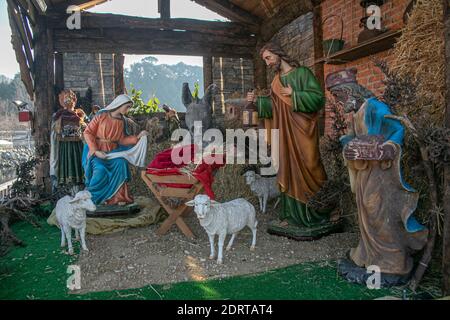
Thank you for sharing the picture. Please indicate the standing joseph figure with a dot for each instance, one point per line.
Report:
(293, 106)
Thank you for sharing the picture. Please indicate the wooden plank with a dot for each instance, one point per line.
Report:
(446, 180)
(228, 10)
(380, 43)
(106, 20)
(183, 179)
(175, 192)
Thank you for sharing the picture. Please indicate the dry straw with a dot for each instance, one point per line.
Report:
(419, 55)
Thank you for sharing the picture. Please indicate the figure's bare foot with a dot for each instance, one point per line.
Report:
(284, 223)
(335, 215)
(122, 203)
(252, 248)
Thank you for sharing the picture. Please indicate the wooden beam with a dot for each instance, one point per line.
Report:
(26, 25)
(156, 42)
(59, 72)
(287, 11)
(119, 82)
(16, 17)
(105, 20)
(207, 71)
(446, 183)
(318, 52)
(43, 103)
(38, 7)
(25, 69)
(229, 10)
(164, 8)
(31, 12)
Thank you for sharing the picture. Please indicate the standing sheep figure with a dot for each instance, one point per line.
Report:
(71, 213)
(224, 218)
(264, 188)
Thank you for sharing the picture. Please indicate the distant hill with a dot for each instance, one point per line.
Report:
(163, 81)
(4, 79)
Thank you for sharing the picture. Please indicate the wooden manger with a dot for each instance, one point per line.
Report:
(173, 199)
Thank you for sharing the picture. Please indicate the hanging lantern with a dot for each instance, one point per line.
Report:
(250, 115)
(25, 115)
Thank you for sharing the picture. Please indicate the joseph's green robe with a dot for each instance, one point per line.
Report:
(301, 173)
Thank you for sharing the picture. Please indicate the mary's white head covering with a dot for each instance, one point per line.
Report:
(117, 102)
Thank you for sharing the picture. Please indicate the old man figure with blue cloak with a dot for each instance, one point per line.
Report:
(389, 233)
(110, 148)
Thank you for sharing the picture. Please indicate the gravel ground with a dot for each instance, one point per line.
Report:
(138, 257)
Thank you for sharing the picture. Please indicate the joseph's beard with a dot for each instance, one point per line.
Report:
(276, 66)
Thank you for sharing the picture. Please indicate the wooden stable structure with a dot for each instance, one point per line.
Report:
(40, 37)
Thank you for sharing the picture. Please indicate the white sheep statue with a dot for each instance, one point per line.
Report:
(71, 213)
(265, 188)
(224, 218)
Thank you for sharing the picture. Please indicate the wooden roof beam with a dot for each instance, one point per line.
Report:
(228, 10)
(156, 42)
(107, 20)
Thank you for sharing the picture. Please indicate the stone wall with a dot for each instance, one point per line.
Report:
(234, 78)
(297, 40)
(84, 70)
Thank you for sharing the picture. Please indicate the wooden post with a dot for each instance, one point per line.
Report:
(164, 8)
(119, 82)
(318, 68)
(207, 71)
(59, 74)
(44, 101)
(446, 234)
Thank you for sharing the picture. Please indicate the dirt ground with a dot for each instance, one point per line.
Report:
(138, 257)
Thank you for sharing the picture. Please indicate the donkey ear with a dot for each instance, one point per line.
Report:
(186, 95)
(190, 203)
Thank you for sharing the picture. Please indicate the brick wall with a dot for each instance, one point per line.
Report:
(84, 70)
(351, 12)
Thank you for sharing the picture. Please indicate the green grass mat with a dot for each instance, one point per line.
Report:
(38, 271)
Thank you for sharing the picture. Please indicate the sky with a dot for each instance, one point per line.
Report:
(142, 8)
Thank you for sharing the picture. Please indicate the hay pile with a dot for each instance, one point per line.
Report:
(419, 57)
(229, 184)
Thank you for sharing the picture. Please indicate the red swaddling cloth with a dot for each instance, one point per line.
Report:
(162, 165)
